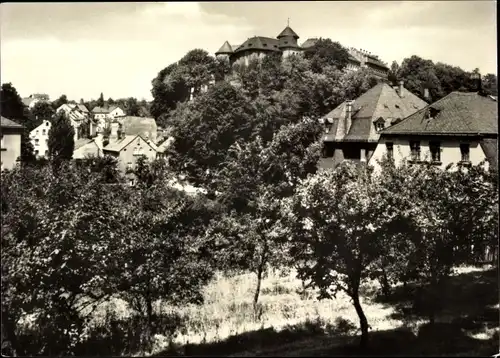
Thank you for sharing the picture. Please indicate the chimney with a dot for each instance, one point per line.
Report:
(476, 78)
(427, 96)
(348, 117)
(401, 89)
(115, 126)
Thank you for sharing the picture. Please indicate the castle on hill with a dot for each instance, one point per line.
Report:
(286, 43)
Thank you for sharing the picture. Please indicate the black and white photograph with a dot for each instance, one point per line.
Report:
(249, 178)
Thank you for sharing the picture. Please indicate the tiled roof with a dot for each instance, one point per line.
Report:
(100, 110)
(7, 123)
(225, 48)
(259, 43)
(288, 32)
(82, 108)
(117, 146)
(144, 126)
(309, 43)
(457, 113)
(381, 101)
(81, 142)
(27, 101)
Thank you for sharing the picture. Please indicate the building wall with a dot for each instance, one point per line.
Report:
(39, 138)
(10, 149)
(246, 57)
(128, 156)
(89, 149)
(288, 52)
(450, 150)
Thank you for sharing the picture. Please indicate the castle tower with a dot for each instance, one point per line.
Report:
(288, 41)
(225, 51)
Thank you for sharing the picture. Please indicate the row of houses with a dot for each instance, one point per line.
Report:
(390, 121)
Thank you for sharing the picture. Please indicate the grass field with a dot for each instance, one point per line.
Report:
(290, 323)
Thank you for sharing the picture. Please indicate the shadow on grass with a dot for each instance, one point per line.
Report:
(469, 300)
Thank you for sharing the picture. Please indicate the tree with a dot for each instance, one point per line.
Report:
(131, 107)
(325, 52)
(252, 236)
(393, 75)
(163, 251)
(419, 74)
(197, 69)
(110, 101)
(40, 112)
(100, 101)
(334, 221)
(61, 138)
(440, 216)
(12, 106)
(169, 88)
(53, 243)
(204, 130)
(490, 84)
(60, 101)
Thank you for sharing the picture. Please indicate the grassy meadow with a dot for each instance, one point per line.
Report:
(292, 322)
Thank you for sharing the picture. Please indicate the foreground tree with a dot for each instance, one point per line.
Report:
(325, 52)
(61, 139)
(334, 222)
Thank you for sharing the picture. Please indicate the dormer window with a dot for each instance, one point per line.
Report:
(328, 127)
(379, 124)
(433, 112)
(397, 106)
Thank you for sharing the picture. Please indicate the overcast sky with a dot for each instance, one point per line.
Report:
(83, 49)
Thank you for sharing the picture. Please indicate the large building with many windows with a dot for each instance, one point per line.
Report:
(286, 43)
(460, 129)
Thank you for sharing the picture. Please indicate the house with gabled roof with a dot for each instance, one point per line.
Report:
(352, 130)
(85, 148)
(10, 142)
(460, 129)
(127, 149)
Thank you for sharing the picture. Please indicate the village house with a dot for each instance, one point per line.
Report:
(461, 128)
(352, 130)
(34, 99)
(39, 138)
(115, 111)
(127, 149)
(85, 148)
(79, 116)
(285, 43)
(10, 143)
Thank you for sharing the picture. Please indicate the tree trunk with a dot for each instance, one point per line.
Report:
(9, 342)
(260, 271)
(386, 287)
(362, 321)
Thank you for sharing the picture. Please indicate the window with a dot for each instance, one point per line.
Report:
(46, 153)
(464, 151)
(36, 152)
(36, 131)
(47, 124)
(415, 150)
(379, 126)
(390, 150)
(328, 128)
(43, 131)
(1, 140)
(36, 141)
(435, 148)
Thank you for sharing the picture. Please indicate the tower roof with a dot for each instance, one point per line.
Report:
(288, 32)
(225, 49)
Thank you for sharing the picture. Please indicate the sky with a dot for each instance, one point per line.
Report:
(83, 49)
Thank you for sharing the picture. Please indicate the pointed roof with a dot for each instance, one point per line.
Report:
(381, 101)
(458, 113)
(7, 123)
(288, 32)
(259, 43)
(225, 49)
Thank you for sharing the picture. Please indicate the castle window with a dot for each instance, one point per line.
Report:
(265, 45)
(286, 42)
